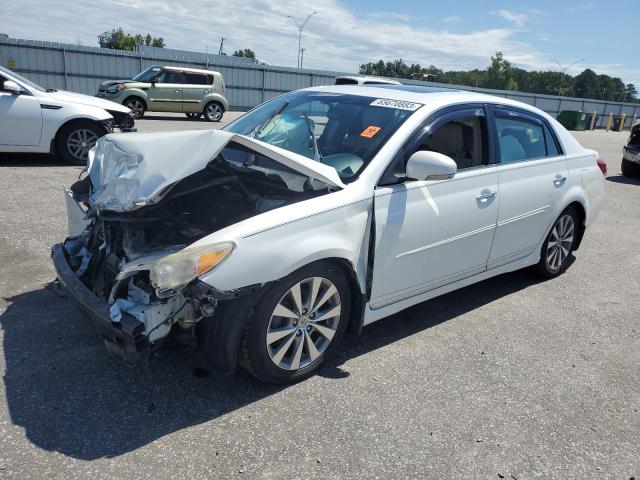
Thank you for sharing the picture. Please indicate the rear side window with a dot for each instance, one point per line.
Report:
(523, 137)
(197, 79)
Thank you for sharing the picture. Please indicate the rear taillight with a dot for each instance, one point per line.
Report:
(603, 166)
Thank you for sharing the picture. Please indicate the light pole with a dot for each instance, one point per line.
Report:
(300, 28)
(564, 71)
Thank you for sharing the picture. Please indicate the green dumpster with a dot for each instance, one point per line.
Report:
(572, 120)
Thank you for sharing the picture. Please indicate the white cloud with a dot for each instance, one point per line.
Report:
(337, 38)
(518, 19)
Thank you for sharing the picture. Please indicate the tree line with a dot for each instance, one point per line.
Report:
(502, 75)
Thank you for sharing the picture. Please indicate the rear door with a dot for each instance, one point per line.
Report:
(532, 173)
(196, 86)
(20, 118)
(165, 93)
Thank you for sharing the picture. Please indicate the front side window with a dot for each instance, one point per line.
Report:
(459, 135)
(343, 131)
(522, 138)
(169, 76)
(148, 74)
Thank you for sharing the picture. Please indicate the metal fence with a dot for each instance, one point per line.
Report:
(81, 69)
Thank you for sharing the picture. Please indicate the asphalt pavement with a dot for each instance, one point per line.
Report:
(509, 378)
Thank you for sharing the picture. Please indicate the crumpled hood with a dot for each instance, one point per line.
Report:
(64, 96)
(129, 171)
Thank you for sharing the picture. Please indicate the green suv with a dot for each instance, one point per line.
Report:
(170, 89)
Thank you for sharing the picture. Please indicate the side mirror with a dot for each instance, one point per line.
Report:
(12, 87)
(426, 165)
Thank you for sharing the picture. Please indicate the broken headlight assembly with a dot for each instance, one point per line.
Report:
(173, 272)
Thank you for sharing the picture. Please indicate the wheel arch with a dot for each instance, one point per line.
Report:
(139, 95)
(79, 119)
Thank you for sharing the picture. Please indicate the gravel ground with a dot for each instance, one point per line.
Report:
(509, 378)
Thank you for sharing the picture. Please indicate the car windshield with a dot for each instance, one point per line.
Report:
(23, 80)
(147, 74)
(343, 131)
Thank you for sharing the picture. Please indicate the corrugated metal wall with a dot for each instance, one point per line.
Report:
(81, 69)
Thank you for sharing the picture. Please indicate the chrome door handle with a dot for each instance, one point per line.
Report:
(559, 180)
(486, 196)
(178, 90)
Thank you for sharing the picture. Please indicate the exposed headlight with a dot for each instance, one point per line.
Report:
(115, 88)
(174, 271)
(111, 170)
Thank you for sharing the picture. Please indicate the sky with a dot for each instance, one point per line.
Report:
(453, 35)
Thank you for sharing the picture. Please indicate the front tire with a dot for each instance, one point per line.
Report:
(136, 105)
(297, 324)
(75, 139)
(559, 244)
(630, 169)
(213, 112)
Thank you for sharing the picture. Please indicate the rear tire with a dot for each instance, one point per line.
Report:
(136, 105)
(559, 245)
(291, 346)
(213, 112)
(75, 139)
(630, 169)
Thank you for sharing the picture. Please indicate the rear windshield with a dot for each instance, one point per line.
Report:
(343, 131)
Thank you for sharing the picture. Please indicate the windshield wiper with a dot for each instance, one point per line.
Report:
(316, 150)
(258, 130)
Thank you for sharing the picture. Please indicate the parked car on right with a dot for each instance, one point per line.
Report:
(631, 154)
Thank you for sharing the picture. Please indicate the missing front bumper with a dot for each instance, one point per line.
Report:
(125, 339)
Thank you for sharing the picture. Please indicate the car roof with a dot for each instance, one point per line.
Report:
(424, 95)
(185, 69)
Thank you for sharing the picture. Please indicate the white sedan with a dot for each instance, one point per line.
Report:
(322, 209)
(36, 120)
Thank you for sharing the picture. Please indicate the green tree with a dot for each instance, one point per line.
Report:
(118, 39)
(630, 93)
(247, 53)
(500, 74)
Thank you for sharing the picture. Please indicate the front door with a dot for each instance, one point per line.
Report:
(431, 233)
(20, 118)
(165, 93)
(533, 175)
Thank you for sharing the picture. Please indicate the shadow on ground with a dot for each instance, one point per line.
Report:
(71, 397)
(623, 179)
(30, 160)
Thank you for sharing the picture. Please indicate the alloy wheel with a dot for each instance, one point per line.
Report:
(136, 107)
(560, 242)
(214, 111)
(80, 141)
(303, 323)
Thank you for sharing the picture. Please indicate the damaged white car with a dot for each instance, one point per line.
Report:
(322, 209)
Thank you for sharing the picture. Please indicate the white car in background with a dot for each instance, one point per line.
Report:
(364, 80)
(36, 120)
(323, 208)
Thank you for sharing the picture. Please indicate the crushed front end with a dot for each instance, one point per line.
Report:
(134, 216)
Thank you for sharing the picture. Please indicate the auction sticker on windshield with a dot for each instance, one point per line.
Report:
(369, 132)
(399, 104)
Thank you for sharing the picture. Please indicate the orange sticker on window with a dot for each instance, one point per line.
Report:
(369, 132)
